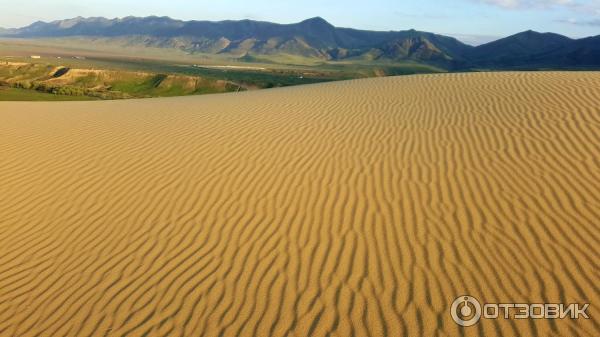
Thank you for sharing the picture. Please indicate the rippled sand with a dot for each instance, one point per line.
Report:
(360, 208)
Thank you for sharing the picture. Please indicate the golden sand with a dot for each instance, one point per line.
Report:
(359, 208)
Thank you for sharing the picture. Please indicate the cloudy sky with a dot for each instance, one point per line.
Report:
(471, 20)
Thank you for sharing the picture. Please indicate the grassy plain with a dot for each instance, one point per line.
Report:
(18, 94)
(213, 73)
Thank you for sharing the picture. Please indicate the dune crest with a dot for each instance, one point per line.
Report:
(358, 208)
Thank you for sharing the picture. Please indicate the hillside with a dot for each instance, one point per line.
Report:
(312, 38)
(104, 84)
(517, 49)
(532, 50)
(317, 40)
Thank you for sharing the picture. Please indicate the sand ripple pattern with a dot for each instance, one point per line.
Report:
(359, 208)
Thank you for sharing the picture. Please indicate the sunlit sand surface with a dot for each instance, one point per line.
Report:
(359, 208)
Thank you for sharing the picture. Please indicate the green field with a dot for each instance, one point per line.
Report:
(16, 94)
(157, 72)
(115, 78)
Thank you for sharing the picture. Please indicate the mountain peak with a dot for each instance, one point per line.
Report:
(68, 23)
(317, 21)
(534, 34)
(530, 33)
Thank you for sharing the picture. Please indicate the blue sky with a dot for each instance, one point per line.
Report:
(470, 20)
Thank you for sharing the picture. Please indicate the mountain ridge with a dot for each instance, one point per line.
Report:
(319, 39)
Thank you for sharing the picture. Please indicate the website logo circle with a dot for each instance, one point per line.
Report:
(466, 311)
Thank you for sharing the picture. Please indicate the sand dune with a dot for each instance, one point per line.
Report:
(359, 208)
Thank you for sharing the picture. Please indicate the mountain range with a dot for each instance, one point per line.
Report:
(318, 39)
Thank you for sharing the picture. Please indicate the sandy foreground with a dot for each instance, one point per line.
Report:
(359, 208)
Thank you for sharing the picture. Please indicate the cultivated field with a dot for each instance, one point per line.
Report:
(356, 208)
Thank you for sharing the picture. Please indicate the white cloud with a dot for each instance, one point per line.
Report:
(579, 22)
(575, 12)
(593, 5)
